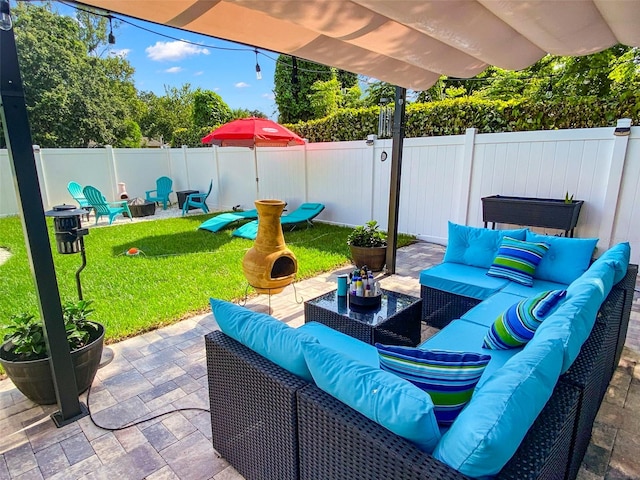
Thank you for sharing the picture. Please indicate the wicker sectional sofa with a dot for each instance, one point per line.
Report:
(270, 423)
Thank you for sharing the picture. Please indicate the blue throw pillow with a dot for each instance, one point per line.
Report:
(567, 258)
(448, 377)
(380, 396)
(517, 260)
(476, 246)
(265, 335)
(516, 326)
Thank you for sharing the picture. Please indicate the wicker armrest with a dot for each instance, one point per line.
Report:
(253, 410)
(336, 443)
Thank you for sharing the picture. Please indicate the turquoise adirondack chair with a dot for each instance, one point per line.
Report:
(197, 200)
(102, 207)
(75, 189)
(161, 193)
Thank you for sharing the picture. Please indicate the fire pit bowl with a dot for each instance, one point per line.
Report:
(141, 208)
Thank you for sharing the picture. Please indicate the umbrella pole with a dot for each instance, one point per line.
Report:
(255, 166)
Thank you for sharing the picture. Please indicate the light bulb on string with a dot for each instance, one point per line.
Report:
(6, 23)
(112, 37)
(258, 71)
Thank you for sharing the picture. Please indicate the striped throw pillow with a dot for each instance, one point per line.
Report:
(517, 260)
(448, 377)
(518, 323)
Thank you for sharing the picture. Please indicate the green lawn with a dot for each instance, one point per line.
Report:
(180, 269)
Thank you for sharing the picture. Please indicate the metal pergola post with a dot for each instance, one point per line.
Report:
(396, 169)
(23, 167)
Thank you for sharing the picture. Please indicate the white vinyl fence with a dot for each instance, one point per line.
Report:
(443, 178)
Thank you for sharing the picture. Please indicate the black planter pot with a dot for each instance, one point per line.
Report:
(372, 257)
(533, 212)
(33, 378)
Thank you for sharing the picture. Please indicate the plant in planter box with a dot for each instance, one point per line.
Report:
(368, 246)
(25, 359)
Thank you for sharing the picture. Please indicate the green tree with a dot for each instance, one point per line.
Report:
(244, 113)
(74, 99)
(293, 87)
(209, 109)
(327, 97)
(160, 117)
(377, 91)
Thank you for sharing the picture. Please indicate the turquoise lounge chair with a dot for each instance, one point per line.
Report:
(197, 200)
(102, 207)
(305, 213)
(217, 223)
(161, 193)
(75, 189)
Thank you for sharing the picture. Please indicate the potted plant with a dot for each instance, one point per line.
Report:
(25, 359)
(368, 246)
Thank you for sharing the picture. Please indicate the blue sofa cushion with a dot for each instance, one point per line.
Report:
(567, 258)
(462, 280)
(486, 312)
(265, 335)
(538, 286)
(380, 396)
(517, 260)
(475, 246)
(465, 336)
(489, 430)
(342, 342)
(517, 324)
(448, 377)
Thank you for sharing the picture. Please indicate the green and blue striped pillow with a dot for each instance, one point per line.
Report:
(517, 325)
(517, 260)
(448, 377)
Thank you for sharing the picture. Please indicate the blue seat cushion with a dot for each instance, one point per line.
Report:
(476, 246)
(264, 335)
(464, 336)
(383, 397)
(538, 286)
(365, 353)
(462, 280)
(489, 430)
(567, 258)
(486, 312)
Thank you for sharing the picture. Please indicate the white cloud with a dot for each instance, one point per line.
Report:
(270, 96)
(122, 53)
(197, 74)
(241, 85)
(173, 51)
(173, 70)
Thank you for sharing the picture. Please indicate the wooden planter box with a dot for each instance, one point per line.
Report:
(533, 212)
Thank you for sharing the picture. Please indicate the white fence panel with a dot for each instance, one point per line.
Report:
(340, 175)
(139, 169)
(236, 177)
(8, 200)
(282, 174)
(544, 165)
(627, 221)
(200, 171)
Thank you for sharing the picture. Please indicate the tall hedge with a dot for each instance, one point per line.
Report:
(454, 116)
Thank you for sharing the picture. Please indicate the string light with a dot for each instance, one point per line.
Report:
(112, 37)
(258, 72)
(5, 16)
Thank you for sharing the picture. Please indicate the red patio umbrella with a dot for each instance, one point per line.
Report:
(253, 132)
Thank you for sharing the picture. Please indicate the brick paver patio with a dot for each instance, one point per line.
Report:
(165, 370)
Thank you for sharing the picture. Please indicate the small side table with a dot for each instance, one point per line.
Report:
(395, 322)
(182, 197)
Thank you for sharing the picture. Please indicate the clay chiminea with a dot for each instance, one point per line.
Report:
(269, 265)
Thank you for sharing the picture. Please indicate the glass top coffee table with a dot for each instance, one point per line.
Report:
(395, 322)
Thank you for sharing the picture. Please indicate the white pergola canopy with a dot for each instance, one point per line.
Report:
(408, 43)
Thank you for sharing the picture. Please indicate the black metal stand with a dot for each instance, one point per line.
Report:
(84, 264)
(23, 166)
(246, 295)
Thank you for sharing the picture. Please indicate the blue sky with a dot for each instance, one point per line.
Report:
(161, 61)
